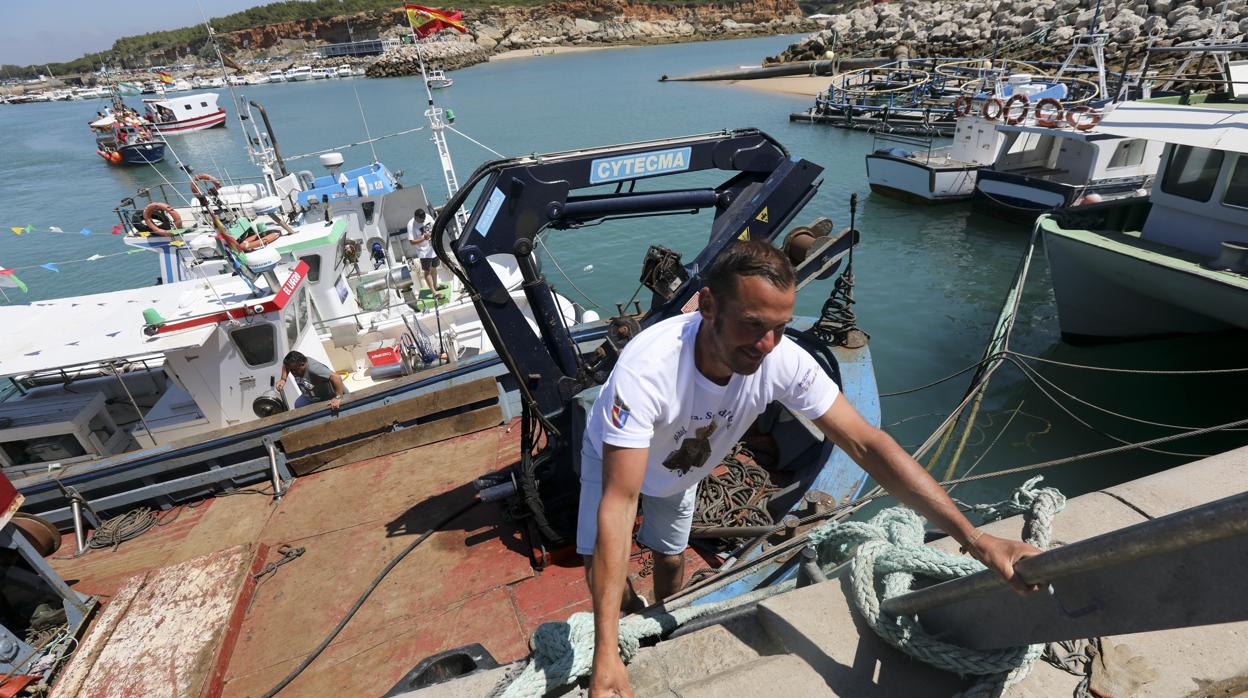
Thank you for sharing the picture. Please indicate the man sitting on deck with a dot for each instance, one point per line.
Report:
(316, 381)
(683, 392)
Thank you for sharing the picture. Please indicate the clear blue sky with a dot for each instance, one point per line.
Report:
(49, 31)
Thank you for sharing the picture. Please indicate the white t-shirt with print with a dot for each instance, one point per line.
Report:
(424, 249)
(656, 398)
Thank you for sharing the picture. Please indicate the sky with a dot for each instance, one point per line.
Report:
(51, 31)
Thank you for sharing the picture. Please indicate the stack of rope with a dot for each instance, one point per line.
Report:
(887, 553)
(737, 496)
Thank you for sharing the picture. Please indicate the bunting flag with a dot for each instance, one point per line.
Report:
(51, 266)
(84, 231)
(230, 63)
(118, 230)
(166, 78)
(9, 280)
(23, 230)
(426, 21)
(128, 89)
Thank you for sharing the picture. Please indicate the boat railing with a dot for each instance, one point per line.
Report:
(167, 193)
(923, 141)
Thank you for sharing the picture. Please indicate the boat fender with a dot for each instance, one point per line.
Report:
(962, 105)
(170, 216)
(1074, 117)
(213, 183)
(1047, 121)
(1010, 118)
(102, 154)
(307, 179)
(114, 157)
(992, 109)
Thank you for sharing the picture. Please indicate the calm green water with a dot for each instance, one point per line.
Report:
(930, 280)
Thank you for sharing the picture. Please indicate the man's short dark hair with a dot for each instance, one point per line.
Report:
(419, 214)
(295, 358)
(749, 258)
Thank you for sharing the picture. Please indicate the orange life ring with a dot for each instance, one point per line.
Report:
(988, 103)
(1041, 119)
(962, 105)
(175, 220)
(1009, 104)
(213, 183)
(252, 244)
(1073, 114)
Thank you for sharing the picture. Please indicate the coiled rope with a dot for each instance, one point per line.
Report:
(887, 553)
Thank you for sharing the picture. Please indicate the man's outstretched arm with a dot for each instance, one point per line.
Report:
(623, 470)
(894, 469)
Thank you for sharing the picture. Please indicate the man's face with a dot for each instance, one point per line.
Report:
(297, 369)
(747, 326)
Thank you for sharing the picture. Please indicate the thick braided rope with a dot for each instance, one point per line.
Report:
(889, 548)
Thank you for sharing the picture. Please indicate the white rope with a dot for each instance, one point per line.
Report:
(475, 141)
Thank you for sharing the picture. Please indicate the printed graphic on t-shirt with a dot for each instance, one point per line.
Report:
(693, 451)
(619, 412)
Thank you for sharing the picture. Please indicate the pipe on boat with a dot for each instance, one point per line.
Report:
(272, 136)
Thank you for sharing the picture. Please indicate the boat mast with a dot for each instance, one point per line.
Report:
(1094, 41)
(436, 124)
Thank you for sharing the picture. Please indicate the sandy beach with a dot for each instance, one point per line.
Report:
(800, 85)
(550, 51)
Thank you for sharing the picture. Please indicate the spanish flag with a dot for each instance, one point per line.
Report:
(426, 21)
(164, 77)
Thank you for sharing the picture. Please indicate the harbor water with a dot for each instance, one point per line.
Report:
(930, 280)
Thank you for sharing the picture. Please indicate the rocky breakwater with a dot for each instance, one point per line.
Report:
(584, 22)
(447, 55)
(1032, 29)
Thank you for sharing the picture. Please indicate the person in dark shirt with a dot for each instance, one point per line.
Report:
(316, 381)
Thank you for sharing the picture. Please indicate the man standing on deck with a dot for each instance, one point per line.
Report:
(316, 381)
(681, 395)
(420, 234)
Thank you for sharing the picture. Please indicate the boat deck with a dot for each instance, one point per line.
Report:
(470, 582)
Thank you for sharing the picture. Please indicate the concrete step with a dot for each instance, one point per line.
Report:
(663, 670)
(814, 623)
(775, 675)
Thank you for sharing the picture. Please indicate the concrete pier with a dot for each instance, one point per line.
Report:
(808, 642)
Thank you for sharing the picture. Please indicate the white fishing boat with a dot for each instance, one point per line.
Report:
(344, 71)
(299, 73)
(186, 114)
(913, 168)
(1176, 262)
(277, 76)
(437, 79)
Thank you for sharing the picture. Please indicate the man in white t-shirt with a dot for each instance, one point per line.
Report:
(681, 395)
(420, 234)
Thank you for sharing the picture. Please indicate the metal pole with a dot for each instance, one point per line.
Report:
(80, 536)
(134, 404)
(273, 470)
(1207, 523)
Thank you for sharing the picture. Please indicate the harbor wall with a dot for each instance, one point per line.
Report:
(1042, 29)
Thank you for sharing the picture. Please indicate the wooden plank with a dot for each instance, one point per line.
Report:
(380, 419)
(214, 683)
(395, 441)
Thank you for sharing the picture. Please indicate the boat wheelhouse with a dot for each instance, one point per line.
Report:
(1042, 168)
(185, 114)
(1176, 262)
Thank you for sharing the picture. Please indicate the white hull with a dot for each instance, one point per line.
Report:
(911, 180)
(1012, 195)
(1114, 287)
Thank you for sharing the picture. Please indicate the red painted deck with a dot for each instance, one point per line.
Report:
(470, 582)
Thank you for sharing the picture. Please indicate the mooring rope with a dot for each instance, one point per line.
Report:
(887, 552)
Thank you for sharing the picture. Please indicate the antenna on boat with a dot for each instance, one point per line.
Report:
(1095, 42)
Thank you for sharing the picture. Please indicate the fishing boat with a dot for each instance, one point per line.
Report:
(913, 168)
(437, 79)
(322, 73)
(344, 71)
(277, 76)
(123, 137)
(511, 553)
(299, 73)
(186, 114)
(1175, 261)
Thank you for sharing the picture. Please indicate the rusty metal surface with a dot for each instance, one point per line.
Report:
(164, 632)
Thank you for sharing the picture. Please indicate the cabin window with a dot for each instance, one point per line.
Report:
(256, 343)
(1027, 150)
(314, 267)
(1192, 172)
(203, 104)
(296, 317)
(1237, 188)
(186, 107)
(370, 207)
(1129, 153)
